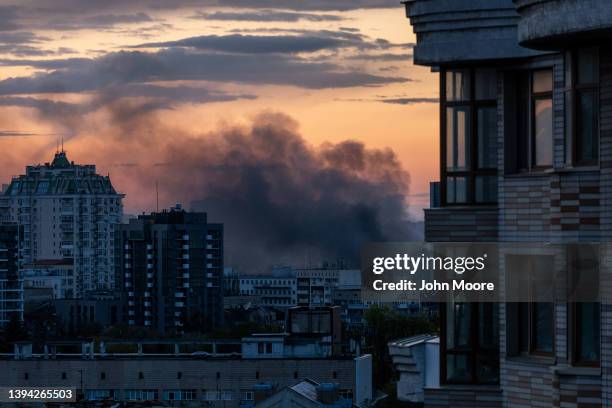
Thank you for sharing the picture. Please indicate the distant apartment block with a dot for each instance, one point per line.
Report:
(11, 283)
(315, 286)
(66, 211)
(276, 290)
(525, 156)
(170, 269)
(57, 275)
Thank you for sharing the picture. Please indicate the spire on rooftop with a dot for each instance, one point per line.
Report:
(60, 160)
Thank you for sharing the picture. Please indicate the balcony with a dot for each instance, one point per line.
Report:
(464, 31)
(558, 24)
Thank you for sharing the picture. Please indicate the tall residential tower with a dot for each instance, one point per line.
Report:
(170, 266)
(66, 211)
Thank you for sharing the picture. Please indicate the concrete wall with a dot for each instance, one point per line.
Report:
(452, 31)
(555, 23)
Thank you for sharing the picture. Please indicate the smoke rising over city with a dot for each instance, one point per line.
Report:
(280, 198)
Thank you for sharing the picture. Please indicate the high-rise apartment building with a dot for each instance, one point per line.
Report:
(66, 211)
(11, 283)
(170, 269)
(525, 157)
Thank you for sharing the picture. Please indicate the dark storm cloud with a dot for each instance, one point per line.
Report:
(380, 57)
(97, 21)
(49, 64)
(179, 64)
(409, 101)
(283, 41)
(8, 18)
(265, 16)
(80, 7)
(393, 100)
(322, 5)
(66, 15)
(22, 44)
(260, 44)
(12, 133)
(156, 97)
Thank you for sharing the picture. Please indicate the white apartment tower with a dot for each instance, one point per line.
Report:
(66, 211)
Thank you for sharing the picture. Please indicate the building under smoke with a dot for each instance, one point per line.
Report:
(170, 265)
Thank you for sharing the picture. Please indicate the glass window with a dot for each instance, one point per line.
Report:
(486, 84)
(585, 99)
(470, 336)
(458, 326)
(530, 325)
(487, 136)
(543, 142)
(486, 189)
(458, 368)
(542, 81)
(587, 140)
(543, 325)
(458, 85)
(587, 62)
(587, 333)
(456, 190)
(469, 131)
(458, 138)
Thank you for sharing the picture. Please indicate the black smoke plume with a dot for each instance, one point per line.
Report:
(284, 201)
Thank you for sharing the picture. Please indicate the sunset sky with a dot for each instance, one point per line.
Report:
(126, 85)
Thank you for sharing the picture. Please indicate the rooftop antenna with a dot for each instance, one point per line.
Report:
(62, 143)
(57, 144)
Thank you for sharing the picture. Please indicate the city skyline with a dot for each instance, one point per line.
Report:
(109, 85)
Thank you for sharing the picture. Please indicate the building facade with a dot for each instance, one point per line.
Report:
(170, 266)
(11, 282)
(58, 275)
(276, 290)
(66, 211)
(315, 286)
(213, 382)
(525, 142)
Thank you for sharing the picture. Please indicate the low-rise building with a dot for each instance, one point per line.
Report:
(208, 373)
(315, 286)
(278, 289)
(102, 310)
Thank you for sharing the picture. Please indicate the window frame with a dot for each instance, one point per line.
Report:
(473, 171)
(514, 309)
(473, 352)
(575, 90)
